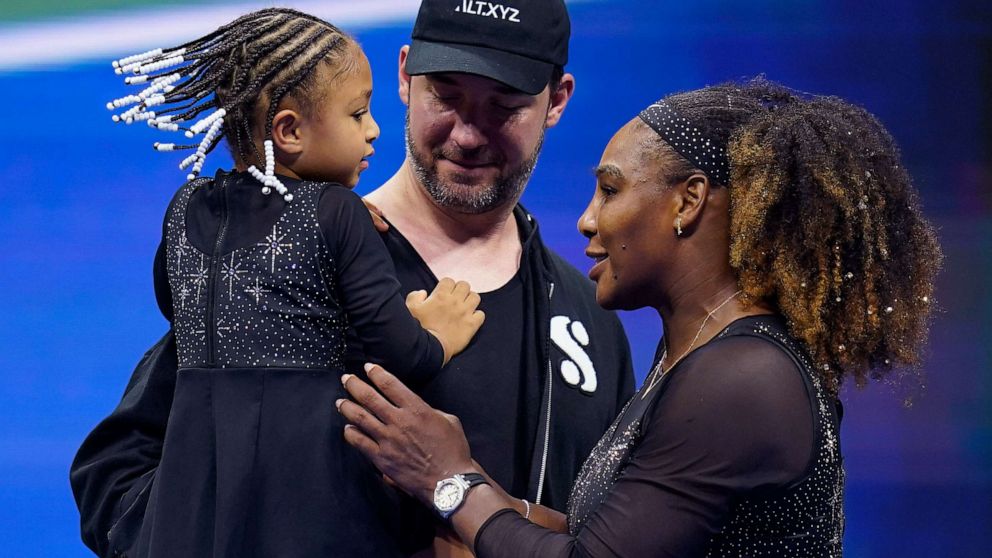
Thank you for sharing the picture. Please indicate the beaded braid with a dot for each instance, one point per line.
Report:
(258, 58)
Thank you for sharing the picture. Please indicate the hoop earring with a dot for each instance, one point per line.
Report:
(678, 226)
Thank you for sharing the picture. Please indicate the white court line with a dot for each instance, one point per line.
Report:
(41, 45)
(89, 37)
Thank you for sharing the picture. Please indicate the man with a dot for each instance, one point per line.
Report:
(549, 370)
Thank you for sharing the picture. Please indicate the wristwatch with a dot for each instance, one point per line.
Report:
(450, 492)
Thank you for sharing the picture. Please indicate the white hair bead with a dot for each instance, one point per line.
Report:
(164, 146)
(156, 66)
(188, 161)
(157, 99)
(128, 115)
(160, 85)
(132, 67)
(123, 101)
(137, 57)
(135, 80)
(205, 122)
(164, 126)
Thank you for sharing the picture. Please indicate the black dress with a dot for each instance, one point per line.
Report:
(260, 294)
(735, 452)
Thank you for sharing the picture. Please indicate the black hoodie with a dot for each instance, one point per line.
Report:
(574, 376)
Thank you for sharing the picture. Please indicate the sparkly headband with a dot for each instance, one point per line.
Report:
(708, 155)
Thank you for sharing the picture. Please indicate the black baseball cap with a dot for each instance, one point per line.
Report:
(516, 42)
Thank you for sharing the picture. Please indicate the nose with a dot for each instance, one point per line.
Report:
(587, 221)
(372, 133)
(467, 134)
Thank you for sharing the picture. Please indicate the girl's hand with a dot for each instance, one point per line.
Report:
(410, 442)
(449, 313)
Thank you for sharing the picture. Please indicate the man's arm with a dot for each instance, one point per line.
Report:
(125, 446)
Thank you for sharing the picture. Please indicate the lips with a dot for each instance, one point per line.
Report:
(364, 164)
(600, 257)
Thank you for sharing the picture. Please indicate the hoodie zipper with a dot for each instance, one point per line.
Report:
(547, 421)
(215, 277)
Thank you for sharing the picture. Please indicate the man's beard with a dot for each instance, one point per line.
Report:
(473, 200)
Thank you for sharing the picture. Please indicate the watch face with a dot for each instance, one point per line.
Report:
(448, 495)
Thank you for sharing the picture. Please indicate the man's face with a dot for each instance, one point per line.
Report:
(473, 141)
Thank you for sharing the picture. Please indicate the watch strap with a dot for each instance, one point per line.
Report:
(474, 479)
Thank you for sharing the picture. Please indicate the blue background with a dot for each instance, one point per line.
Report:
(81, 202)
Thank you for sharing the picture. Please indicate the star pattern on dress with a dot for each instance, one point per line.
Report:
(257, 291)
(221, 328)
(274, 245)
(181, 247)
(182, 295)
(257, 324)
(202, 332)
(230, 273)
(831, 443)
(200, 277)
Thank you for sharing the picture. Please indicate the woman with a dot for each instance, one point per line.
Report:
(779, 238)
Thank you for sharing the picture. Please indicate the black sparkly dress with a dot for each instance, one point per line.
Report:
(735, 452)
(260, 293)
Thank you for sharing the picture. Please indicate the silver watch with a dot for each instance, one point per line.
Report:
(450, 492)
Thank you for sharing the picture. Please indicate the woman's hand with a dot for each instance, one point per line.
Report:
(411, 443)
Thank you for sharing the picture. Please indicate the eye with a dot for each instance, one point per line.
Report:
(606, 190)
(445, 97)
(508, 107)
(358, 115)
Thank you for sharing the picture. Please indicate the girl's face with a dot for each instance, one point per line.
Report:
(340, 132)
(628, 224)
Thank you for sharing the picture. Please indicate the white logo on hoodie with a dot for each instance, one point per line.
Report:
(489, 9)
(571, 336)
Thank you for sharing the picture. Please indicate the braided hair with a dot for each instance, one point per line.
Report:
(242, 71)
(825, 223)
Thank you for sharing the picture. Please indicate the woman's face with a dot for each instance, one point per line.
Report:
(629, 222)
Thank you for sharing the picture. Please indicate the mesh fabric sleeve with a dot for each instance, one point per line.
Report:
(735, 419)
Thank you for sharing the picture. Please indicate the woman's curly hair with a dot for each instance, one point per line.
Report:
(825, 224)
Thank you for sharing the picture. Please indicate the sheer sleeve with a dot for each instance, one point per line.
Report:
(370, 292)
(734, 419)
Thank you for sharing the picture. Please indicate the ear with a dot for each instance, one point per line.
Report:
(559, 100)
(404, 78)
(690, 201)
(288, 132)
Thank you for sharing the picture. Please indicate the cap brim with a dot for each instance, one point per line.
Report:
(526, 74)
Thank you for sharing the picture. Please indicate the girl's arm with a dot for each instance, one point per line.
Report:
(365, 282)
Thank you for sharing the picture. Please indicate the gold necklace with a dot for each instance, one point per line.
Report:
(658, 372)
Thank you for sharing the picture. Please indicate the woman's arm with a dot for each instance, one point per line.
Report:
(725, 426)
(415, 446)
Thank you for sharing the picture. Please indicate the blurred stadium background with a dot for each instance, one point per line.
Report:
(82, 200)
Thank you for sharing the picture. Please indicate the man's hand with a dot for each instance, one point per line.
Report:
(378, 218)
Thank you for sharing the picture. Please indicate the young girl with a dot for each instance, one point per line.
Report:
(261, 271)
